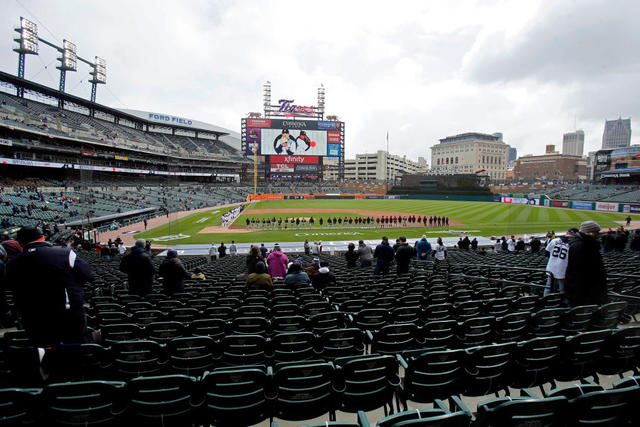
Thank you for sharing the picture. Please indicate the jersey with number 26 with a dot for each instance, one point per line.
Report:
(558, 257)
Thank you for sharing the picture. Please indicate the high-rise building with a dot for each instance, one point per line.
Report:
(617, 133)
(512, 155)
(573, 143)
(470, 153)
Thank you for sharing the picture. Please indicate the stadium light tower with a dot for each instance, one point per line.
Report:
(68, 62)
(320, 108)
(27, 45)
(99, 74)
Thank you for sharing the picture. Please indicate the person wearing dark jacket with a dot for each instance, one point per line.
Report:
(585, 277)
(253, 258)
(48, 287)
(173, 273)
(403, 256)
(351, 255)
(384, 255)
(323, 277)
(635, 242)
(139, 268)
(535, 244)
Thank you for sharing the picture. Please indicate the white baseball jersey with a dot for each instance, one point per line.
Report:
(558, 257)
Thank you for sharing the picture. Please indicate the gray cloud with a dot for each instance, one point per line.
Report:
(422, 70)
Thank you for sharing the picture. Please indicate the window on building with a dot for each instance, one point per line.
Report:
(456, 160)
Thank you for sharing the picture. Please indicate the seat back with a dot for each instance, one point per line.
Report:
(535, 361)
(293, 346)
(487, 368)
(164, 400)
(192, 355)
(367, 383)
(434, 375)
(521, 411)
(236, 396)
(341, 342)
(395, 338)
(608, 407)
(85, 402)
(304, 391)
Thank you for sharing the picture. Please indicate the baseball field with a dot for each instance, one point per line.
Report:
(477, 218)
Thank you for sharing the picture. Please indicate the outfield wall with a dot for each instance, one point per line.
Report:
(516, 199)
(454, 197)
(300, 196)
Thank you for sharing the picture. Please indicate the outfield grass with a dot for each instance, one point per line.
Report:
(479, 218)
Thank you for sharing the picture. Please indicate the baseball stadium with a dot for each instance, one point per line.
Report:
(482, 334)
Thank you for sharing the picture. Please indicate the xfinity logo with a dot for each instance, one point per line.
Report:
(293, 159)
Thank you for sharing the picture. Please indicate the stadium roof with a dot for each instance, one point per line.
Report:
(169, 119)
(131, 115)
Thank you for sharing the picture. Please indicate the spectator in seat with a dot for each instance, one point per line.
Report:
(139, 268)
(351, 255)
(635, 241)
(312, 270)
(173, 273)
(324, 277)
(535, 244)
(48, 286)
(586, 277)
(403, 255)
(423, 249)
(277, 262)
(295, 276)
(222, 250)
(253, 258)
(366, 254)
(213, 252)
(259, 279)
(198, 274)
(384, 256)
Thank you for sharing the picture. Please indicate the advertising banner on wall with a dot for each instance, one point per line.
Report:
(607, 207)
(582, 205)
(299, 160)
(631, 208)
(333, 150)
(560, 203)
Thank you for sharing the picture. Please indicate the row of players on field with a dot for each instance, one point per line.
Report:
(379, 222)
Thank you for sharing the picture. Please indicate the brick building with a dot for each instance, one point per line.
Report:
(550, 167)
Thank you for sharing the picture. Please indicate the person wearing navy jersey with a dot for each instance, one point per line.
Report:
(48, 286)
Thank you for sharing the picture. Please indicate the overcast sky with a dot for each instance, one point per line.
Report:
(421, 70)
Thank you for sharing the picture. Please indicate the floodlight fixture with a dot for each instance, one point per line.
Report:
(99, 72)
(28, 39)
(69, 58)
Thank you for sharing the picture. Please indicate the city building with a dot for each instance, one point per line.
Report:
(550, 166)
(591, 165)
(381, 166)
(512, 155)
(573, 143)
(470, 153)
(617, 133)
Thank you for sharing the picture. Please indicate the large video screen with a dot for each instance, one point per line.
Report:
(293, 137)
